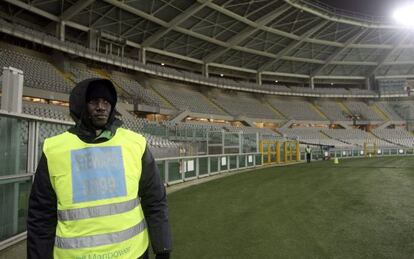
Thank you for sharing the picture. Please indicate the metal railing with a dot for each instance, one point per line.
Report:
(180, 169)
(360, 153)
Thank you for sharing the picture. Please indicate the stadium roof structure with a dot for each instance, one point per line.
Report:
(292, 39)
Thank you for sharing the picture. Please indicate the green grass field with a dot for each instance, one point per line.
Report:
(361, 208)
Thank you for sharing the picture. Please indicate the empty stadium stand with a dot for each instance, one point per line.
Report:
(296, 109)
(358, 108)
(81, 72)
(44, 110)
(389, 111)
(313, 136)
(404, 108)
(245, 105)
(333, 111)
(187, 98)
(138, 92)
(397, 136)
(355, 137)
(39, 73)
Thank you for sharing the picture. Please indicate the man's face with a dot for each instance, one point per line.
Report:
(99, 110)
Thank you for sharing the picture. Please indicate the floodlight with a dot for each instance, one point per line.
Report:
(404, 15)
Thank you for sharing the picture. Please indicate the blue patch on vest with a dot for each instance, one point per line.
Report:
(97, 174)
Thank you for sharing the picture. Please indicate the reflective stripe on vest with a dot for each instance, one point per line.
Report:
(97, 211)
(99, 240)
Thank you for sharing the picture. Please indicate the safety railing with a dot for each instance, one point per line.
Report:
(21, 137)
(359, 153)
(180, 169)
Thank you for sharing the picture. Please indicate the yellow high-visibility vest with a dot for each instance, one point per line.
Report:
(99, 211)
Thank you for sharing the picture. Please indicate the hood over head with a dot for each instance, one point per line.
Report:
(96, 90)
(78, 99)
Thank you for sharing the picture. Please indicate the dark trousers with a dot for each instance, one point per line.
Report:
(144, 256)
(308, 157)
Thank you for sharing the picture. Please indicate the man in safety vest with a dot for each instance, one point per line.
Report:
(97, 192)
(308, 153)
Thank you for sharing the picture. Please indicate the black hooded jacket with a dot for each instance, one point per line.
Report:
(42, 215)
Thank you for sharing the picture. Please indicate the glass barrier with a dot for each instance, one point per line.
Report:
(302, 156)
(242, 161)
(14, 195)
(161, 167)
(176, 170)
(14, 146)
(233, 164)
(258, 160)
(203, 166)
(249, 142)
(214, 165)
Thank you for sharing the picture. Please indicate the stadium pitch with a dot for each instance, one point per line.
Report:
(361, 208)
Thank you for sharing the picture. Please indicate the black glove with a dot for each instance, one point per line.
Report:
(162, 256)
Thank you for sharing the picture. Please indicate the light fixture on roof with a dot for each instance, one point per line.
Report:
(331, 83)
(404, 15)
(162, 64)
(276, 81)
(221, 75)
